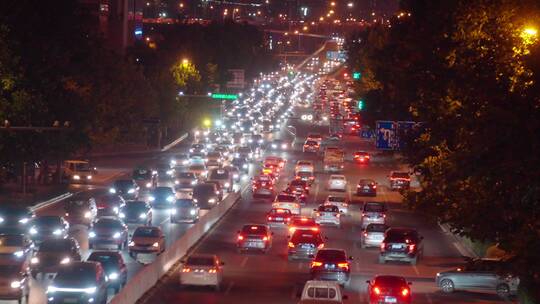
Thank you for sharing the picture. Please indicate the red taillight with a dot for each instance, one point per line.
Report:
(321, 246)
(306, 188)
(186, 269)
(343, 265)
(411, 247)
(376, 290)
(374, 186)
(269, 218)
(265, 238)
(291, 245)
(212, 270)
(317, 214)
(240, 237)
(405, 292)
(316, 264)
(365, 233)
(383, 246)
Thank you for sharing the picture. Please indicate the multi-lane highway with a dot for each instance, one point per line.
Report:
(271, 278)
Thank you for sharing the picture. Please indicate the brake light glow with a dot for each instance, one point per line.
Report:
(374, 186)
(411, 247)
(376, 290)
(265, 238)
(240, 237)
(269, 218)
(291, 245)
(292, 229)
(212, 270)
(321, 246)
(405, 292)
(383, 246)
(314, 229)
(317, 214)
(343, 265)
(365, 233)
(186, 269)
(316, 264)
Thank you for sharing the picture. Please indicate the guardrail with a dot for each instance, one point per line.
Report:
(147, 277)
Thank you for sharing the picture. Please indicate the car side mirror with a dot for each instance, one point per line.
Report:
(351, 258)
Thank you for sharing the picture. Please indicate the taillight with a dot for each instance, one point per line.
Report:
(365, 234)
(212, 270)
(374, 186)
(186, 269)
(316, 264)
(411, 247)
(343, 265)
(265, 238)
(306, 188)
(240, 237)
(405, 292)
(317, 214)
(363, 214)
(314, 229)
(383, 246)
(291, 245)
(321, 246)
(376, 290)
(269, 218)
(292, 229)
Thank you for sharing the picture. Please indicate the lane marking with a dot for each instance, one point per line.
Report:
(416, 269)
(244, 262)
(164, 221)
(229, 288)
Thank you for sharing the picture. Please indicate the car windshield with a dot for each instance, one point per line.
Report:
(311, 143)
(11, 240)
(77, 205)
(376, 228)
(285, 198)
(136, 205)
(47, 221)
(163, 191)
(200, 261)
(400, 175)
(82, 166)
(374, 207)
(186, 175)
(203, 190)
(108, 223)
(306, 236)
(123, 183)
(331, 255)
(366, 181)
(146, 232)
(328, 208)
(55, 246)
(184, 203)
(75, 277)
(254, 229)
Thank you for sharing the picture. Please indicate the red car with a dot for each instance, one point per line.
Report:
(278, 216)
(361, 157)
(389, 289)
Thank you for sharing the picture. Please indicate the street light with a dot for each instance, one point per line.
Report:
(207, 123)
(185, 61)
(529, 35)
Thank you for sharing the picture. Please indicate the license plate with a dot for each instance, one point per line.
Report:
(70, 300)
(329, 266)
(306, 246)
(366, 187)
(390, 299)
(394, 246)
(279, 219)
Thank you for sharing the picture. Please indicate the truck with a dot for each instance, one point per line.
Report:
(333, 160)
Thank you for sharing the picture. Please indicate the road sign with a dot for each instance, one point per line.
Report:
(360, 104)
(224, 96)
(386, 135)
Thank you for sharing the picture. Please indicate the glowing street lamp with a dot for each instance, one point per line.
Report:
(207, 122)
(529, 35)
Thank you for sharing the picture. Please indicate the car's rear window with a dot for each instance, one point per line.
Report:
(338, 199)
(254, 229)
(200, 261)
(123, 183)
(55, 246)
(389, 281)
(108, 223)
(401, 236)
(285, 198)
(203, 189)
(328, 208)
(104, 259)
(374, 207)
(400, 175)
(333, 255)
(146, 232)
(321, 293)
(186, 175)
(306, 236)
(376, 228)
(311, 143)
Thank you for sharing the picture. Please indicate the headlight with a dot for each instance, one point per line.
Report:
(87, 214)
(116, 235)
(57, 232)
(212, 200)
(132, 243)
(91, 234)
(245, 166)
(65, 260)
(148, 185)
(115, 209)
(192, 211)
(19, 253)
(112, 190)
(151, 198)
(173, 162)
(195, 200)
(284, 146)
(76, 177)
(33, 230)
(227, 185)
(34, 260)
(155, 244)
(1, 219)
(274, 146)
(172, 211)
(185, 162)
(89, 177)
(143, 215)
(16, 284)
(24, 220)
(121, 215)
(170, 172)
(236, 176)
(170, 199)
(90, 290)
(193, 182)
(245, 177)
(131, 191)
(113, 276)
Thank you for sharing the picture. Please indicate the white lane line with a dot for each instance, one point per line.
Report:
(231, 284)
(428, 297)
(294, 291)
(316, 192)
(416, 269)
(164, 221)
(244, 262)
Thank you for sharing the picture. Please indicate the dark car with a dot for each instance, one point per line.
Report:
(399, 180)
(136, 212)
(331, 265)
(127, 188)
(206, 195)
(108, 231)
(304, 244)
(81, 212)
(78, 283)
(109, 204)
(114, 266)
(223, 177)
(299, 185)
(184, 210)
(164, 170)
(389, 289)
(145, 178)
(162, 197)
(48, 227)
(14, 218)
(361, 157)
(254, 237)
(241, 163)
(366, 187)
(53, 253)
(401, 244)
(15, 247)
(185, 181)
(14, 281)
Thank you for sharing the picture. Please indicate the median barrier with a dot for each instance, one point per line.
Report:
(147, 277)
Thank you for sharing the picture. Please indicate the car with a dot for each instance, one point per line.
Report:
(241, 163)
(300, 193)
(109, 204)
(199, 170)
(331, 264)
(14, 281)
(278, 216)
(301, 223)
(299, 185)
(184, 210)
(254, 237)
(303, 244)
(287, 201)
(335, 136)
(315, 137)
(235, 172)
(185, 181)
(15, 218)
(262, 185)
(15, 247)
(202, 270)
(164, 170)
(373, 212)
(480, 274)
(81, 212)
(127, 188)
(275, 161)
(389, 289)
(180, 161)
(223, 177)
(47, 227)
(108, 231)
(305, 176)
(78, 171)
(146, 239)
(361, 157)
(206, 195)
(223, 148)
(214, 159)
(114, 266)
(340, 201)
(304, 166)
(79, 282)
(401, 244)
(136, 212)
(197, 148)
(327, 215)
(399, 180)
(366, 187)
(162, 197)
(271, 169)
(373, 235)
(52, 253)
(323, 292)
(145, 178)
(337, 182)
(311, 146)
(278, 145)
(219, 188)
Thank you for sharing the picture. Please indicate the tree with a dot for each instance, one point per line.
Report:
(185, 74)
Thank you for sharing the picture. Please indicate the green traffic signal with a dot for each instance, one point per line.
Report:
(356, 75)
(360, 104)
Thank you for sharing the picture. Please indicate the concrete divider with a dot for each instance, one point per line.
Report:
(147, 277)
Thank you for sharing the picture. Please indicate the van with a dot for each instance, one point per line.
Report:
(78, 171)
(323, 292)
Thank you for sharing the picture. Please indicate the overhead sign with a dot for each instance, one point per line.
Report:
(224, 96)
(386, 135)
(237, 81)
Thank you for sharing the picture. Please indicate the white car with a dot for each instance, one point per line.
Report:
(339, 201)
(286, 201)
(304, 166)
(337, 182)
(202, 270)
(327, 215)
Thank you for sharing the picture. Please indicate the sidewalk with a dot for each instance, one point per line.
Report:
(12, 193)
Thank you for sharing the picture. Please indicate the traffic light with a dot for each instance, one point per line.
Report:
(356, 75)
(361, 104)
